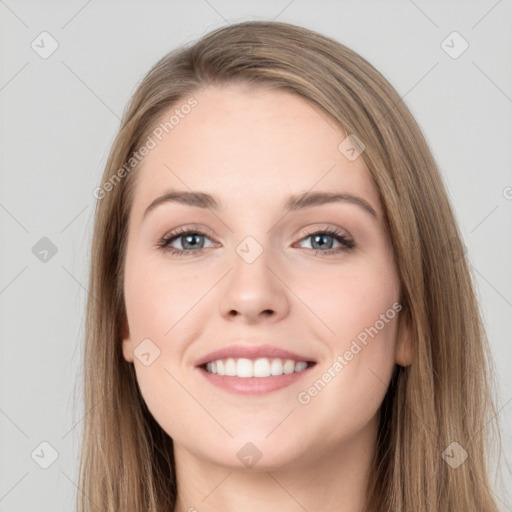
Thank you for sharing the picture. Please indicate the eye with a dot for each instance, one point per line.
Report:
(192, 241)
(325, 238)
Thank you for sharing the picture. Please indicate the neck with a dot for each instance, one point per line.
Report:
(333, 481)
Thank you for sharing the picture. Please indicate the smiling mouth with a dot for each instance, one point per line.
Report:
(259, 368)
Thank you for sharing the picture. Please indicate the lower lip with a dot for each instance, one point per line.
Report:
(253, 385)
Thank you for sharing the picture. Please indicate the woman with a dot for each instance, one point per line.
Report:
(281, 313)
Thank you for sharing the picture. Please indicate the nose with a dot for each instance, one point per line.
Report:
(254, 292)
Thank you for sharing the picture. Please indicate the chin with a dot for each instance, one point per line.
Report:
(252, 453)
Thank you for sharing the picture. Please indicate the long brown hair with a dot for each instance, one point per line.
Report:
(442, 398)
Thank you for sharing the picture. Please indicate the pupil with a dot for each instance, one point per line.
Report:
(319, 237)
(188, 238)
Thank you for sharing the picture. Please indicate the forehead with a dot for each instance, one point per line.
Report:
(249, 146)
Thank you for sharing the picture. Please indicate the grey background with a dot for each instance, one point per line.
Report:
(58, 118)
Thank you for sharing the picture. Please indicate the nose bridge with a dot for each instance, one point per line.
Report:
(253, 236)
(253, 261)
(251, 250)
(252, 288)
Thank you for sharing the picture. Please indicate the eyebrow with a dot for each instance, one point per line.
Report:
(293, 203)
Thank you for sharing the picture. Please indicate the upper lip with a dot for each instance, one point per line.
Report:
(251, 352)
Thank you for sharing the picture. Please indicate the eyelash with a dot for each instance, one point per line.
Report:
(163, 244)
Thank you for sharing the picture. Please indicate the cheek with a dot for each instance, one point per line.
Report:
(162, 306)
(351, 299)
(159, 301)
(359, 310)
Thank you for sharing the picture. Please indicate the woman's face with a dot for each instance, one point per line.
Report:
(266, 283)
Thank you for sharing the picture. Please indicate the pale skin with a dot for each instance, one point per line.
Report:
(251, 149)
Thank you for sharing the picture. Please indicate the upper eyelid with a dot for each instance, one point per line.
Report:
(312, 231)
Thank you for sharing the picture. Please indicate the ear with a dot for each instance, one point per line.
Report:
(404, 353)
(126, 341)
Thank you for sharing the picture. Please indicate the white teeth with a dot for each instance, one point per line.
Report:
(289, 367)
(230, 367)
(262, 367)
(301, 365)
(244, 368)
(276, 367)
